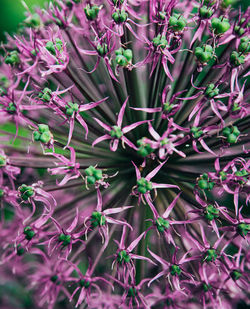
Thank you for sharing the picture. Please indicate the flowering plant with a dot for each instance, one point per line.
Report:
(125, 121)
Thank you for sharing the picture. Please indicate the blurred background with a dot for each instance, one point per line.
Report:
(12, 13)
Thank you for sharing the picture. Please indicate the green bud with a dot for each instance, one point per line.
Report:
(59, 44)
(160, 41)
(223, 175)
(50, 47)
(244, 46)
(90, 170)
(43, 128)
(91, 180)
(12, 58)
(119, 16)
(211, 213)
(204, 54)
(45, 95)
(206, 287)
(243, 229)
(203, 184)
(236, 275)
(211, 91)
(226, 3)
(128, 54)
(98, 174)
(71, 108)
(235, 131)
(121, 60)
(36, 136)
(162, 224)
(226, 131)
(210, 185)
(236, 59)
(116, 132)
(206, 12)
(210, 255)
(11, 109)
(45, 137)
(65, 239)
(220, 25)
(91, 12)
(29, 232)
(97, 219)
(177, 22)
(232, 139)
(20, 250)
(84, 283)
(122, 256)
(102, 49)
(26, 192)
(175, 270)
(167, 107)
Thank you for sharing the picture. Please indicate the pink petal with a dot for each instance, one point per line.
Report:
(84, 124)
(74, 223)
(155, 171)
(152, 131)
(133, 126)
(121, 113)
(88, 106)
(116, 210)
(100, 139)
(102, 124)
(147, 110)
(135, 242)
(137, 171)
(114, 144)
(171, 206)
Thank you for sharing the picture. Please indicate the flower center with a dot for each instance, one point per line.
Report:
(175, 270)
(84, 283)
(162, 224)
(71, 108)
(26, 192)
(93, 174)
(29, 232)
(144, 185)
(116, 132)
(210, 255)
(43, 134)
(123, 256)
(243, 229)
(65, 239)
(97, 219)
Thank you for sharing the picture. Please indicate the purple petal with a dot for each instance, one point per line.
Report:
(155, 171)
(116, 210)
(121, 113)
(88, 106)
(135, 242)
(100, 139)
(102, 124)
(133, 126)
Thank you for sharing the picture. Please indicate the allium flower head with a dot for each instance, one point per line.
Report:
(124, 163)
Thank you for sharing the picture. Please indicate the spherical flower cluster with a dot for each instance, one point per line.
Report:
(124, 170)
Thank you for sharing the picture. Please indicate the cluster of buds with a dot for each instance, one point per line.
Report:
(140, 108)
